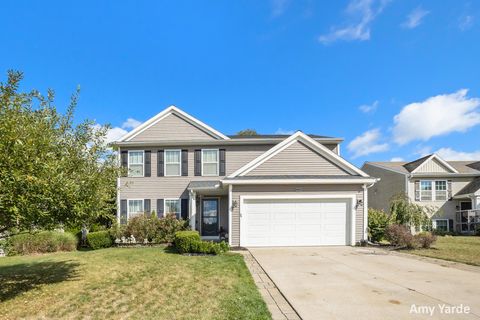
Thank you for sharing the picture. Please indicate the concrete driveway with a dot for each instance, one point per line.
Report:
(363, 283)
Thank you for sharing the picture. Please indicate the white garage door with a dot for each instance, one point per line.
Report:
(294, 222)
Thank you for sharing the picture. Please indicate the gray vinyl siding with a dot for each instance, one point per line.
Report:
(297, 159)
(154, 187)
(432, 166)
(171, 128)
(293, 189)
(390, 184)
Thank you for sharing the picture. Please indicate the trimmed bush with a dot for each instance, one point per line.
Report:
(189, 242)
(399, 236)
(99, 240)
(185, 241)
(168, 226)
(425, 239)
(378, 221)
(41, 242)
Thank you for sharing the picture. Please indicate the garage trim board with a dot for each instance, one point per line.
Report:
(350, 199)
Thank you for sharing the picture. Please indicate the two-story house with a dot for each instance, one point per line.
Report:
(262, 190)
(451, 188)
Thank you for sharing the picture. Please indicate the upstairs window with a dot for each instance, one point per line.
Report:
(426, 190)
(440, 190)
(431, 190)
(173, 162)
(135, 163)
(210, 162)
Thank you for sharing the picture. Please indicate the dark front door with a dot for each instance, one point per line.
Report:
(210, 217)
(465, 205)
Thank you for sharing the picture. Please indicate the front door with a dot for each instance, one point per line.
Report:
(210, 217)
(465, 205)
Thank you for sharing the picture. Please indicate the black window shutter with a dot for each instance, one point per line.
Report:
(185, 163)
(148, 163)
(160, 208)
(198, 162)
(160, 161)
(417, 190)
(123, 211)
(450, 225)
(184, 209)
(124, 160)
(222, 162)
(146, 205)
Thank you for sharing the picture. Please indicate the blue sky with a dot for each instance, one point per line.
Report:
(396, 79)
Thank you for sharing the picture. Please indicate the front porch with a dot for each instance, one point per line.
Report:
(208, 207)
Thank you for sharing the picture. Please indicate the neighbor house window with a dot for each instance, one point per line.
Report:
(440, 190)
(431, 190)
(135, 163)
(135, 207)
(440, 224)
(210, 162)
(173, 162)
(172, 206)
(426, 190)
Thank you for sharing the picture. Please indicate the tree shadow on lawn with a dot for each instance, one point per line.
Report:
(19, 278)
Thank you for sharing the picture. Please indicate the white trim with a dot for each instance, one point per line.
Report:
(168, 111)
(165, 163)
(300, 181)
(347, 196)
(365, 212)
(434, 221)
(218, 163)
(434, 189)
(298, 136)
(165, 206)
(443, 162)
(192, 213)
(128, 206)
(230, 209)
(143, 164)
(119, 163)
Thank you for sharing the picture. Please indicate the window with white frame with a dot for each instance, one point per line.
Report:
(440, 224)
(441, 190)
(135, 163)
(135, 207)
(210, 162)
(431, 190)
(172, 206)
(173, 162)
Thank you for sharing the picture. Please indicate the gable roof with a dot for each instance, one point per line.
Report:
(274, 136)
(416, 165)
(180, 113)
(462, 167)
(411, 166)
(310, 142)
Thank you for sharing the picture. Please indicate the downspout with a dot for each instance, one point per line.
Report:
(230, 202)
(365, 208)
(118, 187)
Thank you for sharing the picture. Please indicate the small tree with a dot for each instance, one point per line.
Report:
(404, 212)
(247, 132)
(378, 221)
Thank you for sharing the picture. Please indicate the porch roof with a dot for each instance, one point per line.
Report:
(470, 188)
(204, 185)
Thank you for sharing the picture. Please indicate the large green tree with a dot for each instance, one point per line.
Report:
(52, 172)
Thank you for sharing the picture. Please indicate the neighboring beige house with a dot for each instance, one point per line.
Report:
(264, 190)
(451, 187)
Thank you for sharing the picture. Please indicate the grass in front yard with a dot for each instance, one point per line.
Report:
(137, 283)
(459, 249)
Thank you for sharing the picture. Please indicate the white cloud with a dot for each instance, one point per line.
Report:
(283, 131)
(438, 115)
(367, 143)
(362, 12)
(131, 123)
(422, 151)
(279, 7)
(367, 108)
(450, 154)
(466, 22)
(397, 159)
(414, 18)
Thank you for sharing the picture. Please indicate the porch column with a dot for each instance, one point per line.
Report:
(193, 209)
(476, 202)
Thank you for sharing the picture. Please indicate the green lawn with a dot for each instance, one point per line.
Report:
(146, 283)
(459, 249)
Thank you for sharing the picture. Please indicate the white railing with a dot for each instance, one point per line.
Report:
(467, 221)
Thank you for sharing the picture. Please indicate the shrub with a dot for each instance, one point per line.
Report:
(142, 227)
(185, 241)
(168, 226)
(99, 239)
(41, 242)
(189, 242)
(425, 239)
(399, 236)
(378, 221)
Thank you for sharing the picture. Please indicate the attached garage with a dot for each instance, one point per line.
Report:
(296, 221)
